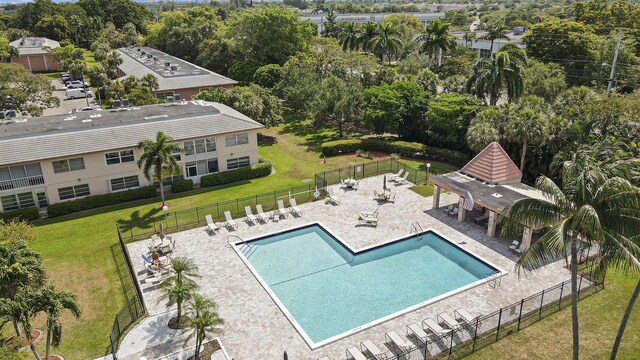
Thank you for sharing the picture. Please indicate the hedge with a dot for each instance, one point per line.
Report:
(20, 214)
(96, 201)
(263, 168)
(403, 148)
(181, 185)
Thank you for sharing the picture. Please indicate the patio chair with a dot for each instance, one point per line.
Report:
(250, 218)
(521, 249)
(282, 211)
(165, 261)
(448, 209)
(445, 318)
(455, 211)
(394, 177)
(211, 226)
(167, 245)
(260, 213)
(417, 331)
(367, 219)
(355, 354)
(368, 347)
(463, 316)
(332, 197)
(514, 245)
(229, 221)
(378, 196)
(403, 180)
(293, 207)
(483, 217)
(391, 198)
(435, 328)
(368, 214)
(396, 340)
(355, 185)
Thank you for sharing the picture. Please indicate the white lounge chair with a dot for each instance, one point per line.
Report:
(282, 211)
(467, 319)
(403, 180)
(211, 226)
(250, 218)
(435, 328)
(369, 347)
(332, 197)
(521, 249)
(483, 217)
(417, 331)
(394, 177)
(229, 221)
(395, 339)
(448, 209)
(514, 245)
(355, 185)
(445, 318)
(261, 215)
(293, 207)
(365, 218)
(355, 354)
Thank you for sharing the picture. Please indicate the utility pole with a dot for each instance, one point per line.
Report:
(613, 65)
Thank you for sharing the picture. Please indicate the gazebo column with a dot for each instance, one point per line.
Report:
(491, 228)
(461, 210)
(436, 196)
(526, 237)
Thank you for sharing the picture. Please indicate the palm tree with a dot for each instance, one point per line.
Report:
(116, 89)
(98, 78)
(387, 40)
(369, 31)
(180, 286)
(158, 155)
(150, 81)
(489, 76)
(480, 134)
(469, 37)
(203, 320)
(111, 62)
(20, 310)
(436, 39)
(52, 303)
(349, 35)
(20, 268)
(588, 206)
(526, 127)
(495, 32)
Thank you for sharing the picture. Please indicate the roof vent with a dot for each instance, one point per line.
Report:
(116, 104)
(174, 67)
(167, 64)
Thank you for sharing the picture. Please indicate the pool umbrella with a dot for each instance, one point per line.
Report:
(161, 232)
(384, 184)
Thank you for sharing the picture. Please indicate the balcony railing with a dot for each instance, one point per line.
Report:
(21, 182)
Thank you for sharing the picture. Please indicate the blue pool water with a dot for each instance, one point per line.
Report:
(328, 290)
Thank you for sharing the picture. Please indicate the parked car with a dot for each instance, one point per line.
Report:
(76, 84)
(87, 108)
(78, 93)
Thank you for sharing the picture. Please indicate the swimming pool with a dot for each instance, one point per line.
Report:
(328, 292)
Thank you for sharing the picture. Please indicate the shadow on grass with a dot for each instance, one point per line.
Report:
(135, 218)
(313, 136)
(266, 140)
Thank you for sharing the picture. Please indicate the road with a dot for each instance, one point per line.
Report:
(66, 106)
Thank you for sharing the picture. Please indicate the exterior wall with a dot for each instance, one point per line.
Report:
(189, 93)
(39, 62)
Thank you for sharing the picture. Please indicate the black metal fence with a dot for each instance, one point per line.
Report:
(505, 321)
(134, 307)
(173, 221)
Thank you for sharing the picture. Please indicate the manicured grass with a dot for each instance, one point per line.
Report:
(89, 59)
(599, 317)
(53, 75)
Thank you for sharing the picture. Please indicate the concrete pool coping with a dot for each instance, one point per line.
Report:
(316, 345)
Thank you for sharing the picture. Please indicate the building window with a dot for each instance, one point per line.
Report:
(201, 167)
(124, 183)
(485, 53)
(72, 192)
(237, 163)
(68, 165)
(199, 146)
(237, 139)
(119, 157)
(14, 177)
(17, 201)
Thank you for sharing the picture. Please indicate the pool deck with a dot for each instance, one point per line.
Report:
(254, 325)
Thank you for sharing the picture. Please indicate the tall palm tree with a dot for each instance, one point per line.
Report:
(203, 320)
(53, 303)
(526, 127)
(20, 269)
(150, 81)
(158, 155)
(587, 206)
(436, 39)
(387, 40)
(20, 310)
(469, 37)
(181, 285)
(480, 134)
(369, 31)
(99, 79)
(111, 62)
(489, 76)
(495, 32)
(349, 35)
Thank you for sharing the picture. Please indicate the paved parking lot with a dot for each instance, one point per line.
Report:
(66, 106)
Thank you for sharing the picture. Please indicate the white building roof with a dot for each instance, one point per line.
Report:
(65, 135)
(34, 45)
(172, 73)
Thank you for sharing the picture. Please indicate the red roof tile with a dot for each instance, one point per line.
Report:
(493, 165)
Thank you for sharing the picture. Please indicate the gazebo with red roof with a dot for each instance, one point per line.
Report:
(493, 181)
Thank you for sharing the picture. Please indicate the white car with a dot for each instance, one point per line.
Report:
(78, 93)
(77, 84)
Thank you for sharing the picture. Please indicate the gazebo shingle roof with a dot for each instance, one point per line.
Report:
(493, 165)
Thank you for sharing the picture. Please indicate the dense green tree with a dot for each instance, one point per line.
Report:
(382, 110)
(31, 13)
(111, 63)
(545, 80)
(455, 84)
(604, 16)
(268, 75)
(157, 156)
(428, 80)
(484, 129)
(118, 12)
(338, 104)
(527, 127)
(218, 54)
(6, 50)
(25, 92)
(298, 85)
(436, 40)
(254, 101)
(448, 117)
(502, 71)
(269, 34)
(55, 27)
(16, 230)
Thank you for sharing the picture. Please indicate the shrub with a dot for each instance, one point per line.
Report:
(395, 156)
(263, 168)
(96, 201)
(364, 154)
(181, 185)
(401, 148)
(20, 214)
